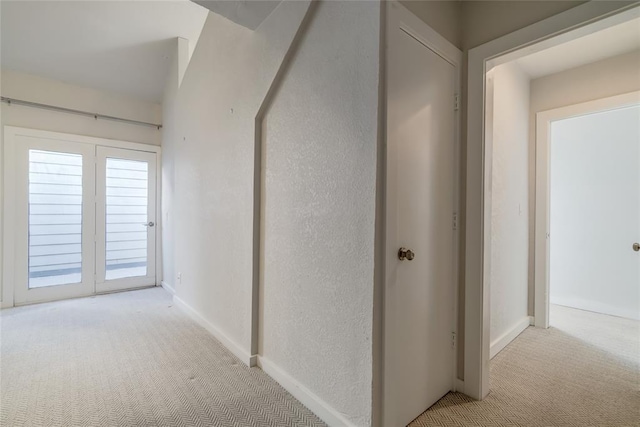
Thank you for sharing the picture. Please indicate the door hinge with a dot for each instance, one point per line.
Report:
(455, 221)
(456, 102)
(453, 340)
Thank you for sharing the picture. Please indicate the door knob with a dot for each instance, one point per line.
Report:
(149, 224)
(404, 253)
(636, 247)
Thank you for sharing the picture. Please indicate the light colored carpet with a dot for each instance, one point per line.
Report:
(583, 371)
(129, 359)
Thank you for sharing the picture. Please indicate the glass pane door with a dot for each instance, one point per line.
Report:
(55, 218)
(126, 206)
(127, 203)
(55, 212)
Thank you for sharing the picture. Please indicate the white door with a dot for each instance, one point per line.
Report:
(84, 217)
(419, 295)
(125, 219)
(55, 220)
(595, 212)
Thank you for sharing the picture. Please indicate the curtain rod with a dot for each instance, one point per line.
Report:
(78, 112)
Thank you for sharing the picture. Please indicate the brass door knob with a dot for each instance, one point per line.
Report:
(404, 253)
(636, 247)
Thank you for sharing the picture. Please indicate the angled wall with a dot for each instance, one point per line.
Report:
(319, 159)
(319, 136)
(208, 178)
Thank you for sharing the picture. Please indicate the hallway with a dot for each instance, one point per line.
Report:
(582, 371)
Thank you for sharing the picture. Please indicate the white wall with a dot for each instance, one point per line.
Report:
(209, 159)
(595, 212)
(484, 21)
(609, 77)
(37, 89)
(322, 127)
(509, 216)
(320, 151)
(444, 16)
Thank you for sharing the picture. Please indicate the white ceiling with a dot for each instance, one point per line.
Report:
(249, 14)
(613, 41)
(119, 46)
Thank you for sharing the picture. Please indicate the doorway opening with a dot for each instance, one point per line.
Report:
(588, 197)
(594, 62)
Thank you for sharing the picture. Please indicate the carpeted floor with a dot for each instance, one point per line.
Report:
(132, 359)
(583, 371)
(129, 359)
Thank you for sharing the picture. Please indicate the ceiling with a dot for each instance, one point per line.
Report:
(249, 14)
(119, 46)
(613, 41)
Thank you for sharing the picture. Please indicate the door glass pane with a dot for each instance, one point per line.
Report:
(55, 218)
(126, 217)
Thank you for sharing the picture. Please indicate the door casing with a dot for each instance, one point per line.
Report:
(569, 25)
(102, 154)
(542, 217)
(9, 217)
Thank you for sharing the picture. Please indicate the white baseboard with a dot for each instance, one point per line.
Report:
(595, 306)
(234, 348)
(501, 342)
(459, 385)
(319, 407)
(167, 287)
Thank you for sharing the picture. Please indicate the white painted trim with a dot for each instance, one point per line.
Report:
(167, 287)
(542, 204)
(318, 406)
(505, 339)
(459, 385)
(234, 348)
(559, 28)
(45, 134)
(596, 307)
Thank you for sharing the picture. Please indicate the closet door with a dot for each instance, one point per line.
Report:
(55, 212)
(125, 219)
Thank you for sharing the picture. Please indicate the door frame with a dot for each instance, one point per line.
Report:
(569, 25)
(9, 239)
(102, 285)
(542, 205)
(20, 265)
(397, 16)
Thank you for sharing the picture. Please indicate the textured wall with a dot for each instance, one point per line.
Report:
(209, 162)
(320, 144)
(509, 203)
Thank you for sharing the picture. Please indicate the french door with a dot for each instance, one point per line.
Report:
(85, 219)
(125, 219)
